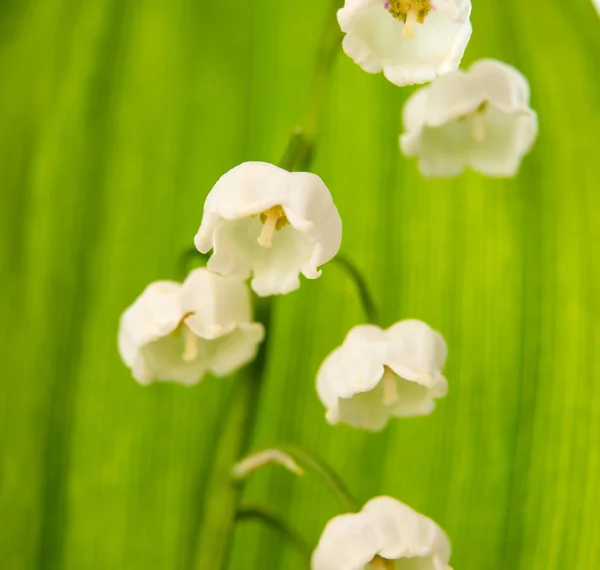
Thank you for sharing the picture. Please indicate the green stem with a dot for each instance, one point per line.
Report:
(311, 463)
(366, 299)
(268, 516)
(222, 493)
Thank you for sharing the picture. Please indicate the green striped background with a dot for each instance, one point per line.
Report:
(116, 117)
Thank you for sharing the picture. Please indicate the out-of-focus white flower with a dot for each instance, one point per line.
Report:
(385, 535)
(597, 4)
(379, 374)
(479, 118)
(264, 221)
(411, 41)
(179, 331)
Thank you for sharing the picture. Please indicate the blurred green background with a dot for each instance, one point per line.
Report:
(116, 118)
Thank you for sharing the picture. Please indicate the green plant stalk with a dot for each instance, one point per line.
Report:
(367, 301)
(269, 517)
(313, 464)
(222, 495)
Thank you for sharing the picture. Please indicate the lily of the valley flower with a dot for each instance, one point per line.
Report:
(264, 221)
(385, 535)
(379, 374)
(179, 331)
(411, 41)
(478, 118)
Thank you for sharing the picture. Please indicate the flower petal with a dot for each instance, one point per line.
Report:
(479, 118)
(230, 226)
(377, 374)
(375, 40)
(404, 533)
(348, 542)
(387, 528)
(215, 304)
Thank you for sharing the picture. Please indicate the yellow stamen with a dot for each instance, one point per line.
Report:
(390, 387)
(478, 124)
(379, 563)
(268, 230)
(477, 127)
(410, 12)
(190, 345)
(273, 220)
(411, 20)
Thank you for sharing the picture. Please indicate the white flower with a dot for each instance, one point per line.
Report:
(411, 41)
(179, 331)
(597, 4)
(379, 374)
(479, 118)
(385, 535)
(264, 221)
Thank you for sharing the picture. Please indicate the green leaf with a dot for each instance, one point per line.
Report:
(116, 118)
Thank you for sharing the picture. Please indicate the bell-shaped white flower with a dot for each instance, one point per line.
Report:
(264, 221)
(378, 374)
(478, 118)
(411, 41)
(385, 535)
(179, 332)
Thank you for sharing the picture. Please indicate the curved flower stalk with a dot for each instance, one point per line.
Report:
(378, 374)
(479, 118)
(179, 332)
(411, 41)
(264, 221)
(385, 535)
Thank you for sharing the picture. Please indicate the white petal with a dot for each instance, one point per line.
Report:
(356, 366)
(478, 118)
(349, 382)
(366, 410)
(178, 333)
(163, 361)
(415, 351)
(384, 527)
(406, 534)
(508, 138)
(312, 238)
(501, 84)
(232, 351)
(154, 314)
(275, 270)
(217, 304)
(451, 96)
(348, 542)
(374, 40)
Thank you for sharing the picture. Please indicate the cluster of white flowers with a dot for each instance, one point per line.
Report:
(267, 225)
(478, 118)
(260, 221)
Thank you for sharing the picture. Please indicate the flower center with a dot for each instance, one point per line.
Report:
(410, 12)
(390, 387)
(190, 340)
(273, 220)
(477, 122)
(379, 563)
